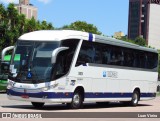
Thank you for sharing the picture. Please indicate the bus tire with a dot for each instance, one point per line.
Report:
(37, 104)
(77, 100)
(135, 98)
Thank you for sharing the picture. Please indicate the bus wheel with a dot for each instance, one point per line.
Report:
(37, 105)
(77, 100)
(135, 98)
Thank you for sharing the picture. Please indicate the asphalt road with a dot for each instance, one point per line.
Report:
(150, 106)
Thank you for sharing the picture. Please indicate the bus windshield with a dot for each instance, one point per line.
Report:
(35, 61)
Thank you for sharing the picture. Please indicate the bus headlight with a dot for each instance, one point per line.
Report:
(9, 86)
(49, 87)
(45, 89)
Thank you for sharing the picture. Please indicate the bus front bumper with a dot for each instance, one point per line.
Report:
(46, 97)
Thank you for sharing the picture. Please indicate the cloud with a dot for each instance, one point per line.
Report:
(9, 1)
(45, 1)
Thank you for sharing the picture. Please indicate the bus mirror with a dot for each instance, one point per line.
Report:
(55, 53)
(4, 52)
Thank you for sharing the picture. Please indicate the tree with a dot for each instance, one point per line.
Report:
(3, 24)
(30, 25)
(3, 13)
(140, 41)
(12, 32)
(13, 25)
(44, 25)
(82, 26)
(12, 15)
(21, 23)
(127, 40)
(50, 26)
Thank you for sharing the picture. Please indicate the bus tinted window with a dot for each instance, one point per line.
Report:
(89, 53)
(112, 55)
(86, 54)
(64, 58)
(128, 57)
(142, 60)
(135, 59)
(118, 56)
(97, 55)
(152, 60)
(106, 57)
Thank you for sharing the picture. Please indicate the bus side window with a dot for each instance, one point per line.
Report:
(129, 58)
(64, 58)
(60, 65)
(105, 55)
(68, 57)
(116, 56)
(97, 55)
(142, 57)
(86, 54)
(135, 60)
(152, 60)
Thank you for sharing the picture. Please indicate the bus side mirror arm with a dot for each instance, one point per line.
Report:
(55, 53)
(5, 50)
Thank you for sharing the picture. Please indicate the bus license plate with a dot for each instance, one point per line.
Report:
(25, 96)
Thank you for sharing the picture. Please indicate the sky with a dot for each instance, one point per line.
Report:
(108, 16)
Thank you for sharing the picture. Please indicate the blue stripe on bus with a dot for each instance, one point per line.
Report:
(116, 95)
(90, 37)
(50, 95)
(108, 95)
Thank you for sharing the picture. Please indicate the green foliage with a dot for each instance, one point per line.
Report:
(127, 40)
(30, 25)
(82, 26)
(13, 25)
(140, 41)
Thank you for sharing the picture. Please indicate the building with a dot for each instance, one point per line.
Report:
(24, 2)
(24, 7)
(144, 21)
(118, 34)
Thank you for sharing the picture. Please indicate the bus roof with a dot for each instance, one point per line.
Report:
(113, 41)
(58, 35)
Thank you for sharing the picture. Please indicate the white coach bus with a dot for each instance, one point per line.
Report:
(72, 67)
